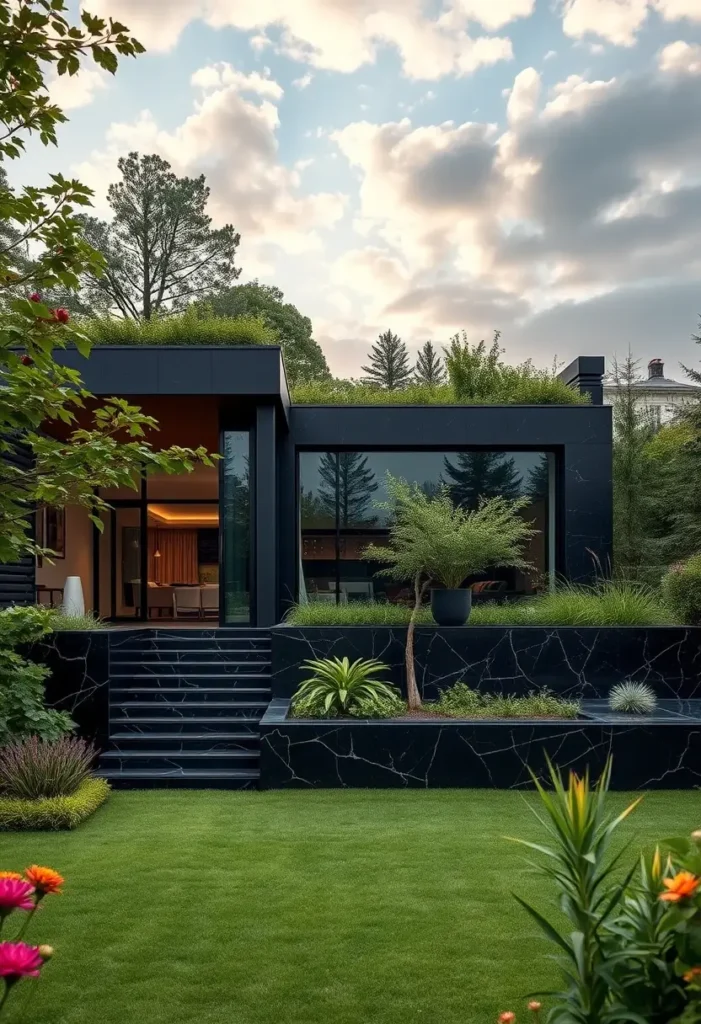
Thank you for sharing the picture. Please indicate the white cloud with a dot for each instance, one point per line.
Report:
(524, 96)
(681, 57)
(618, 21)
(71, 91)
(215, 76)
(339, 35)
(304, 81)
(493, 14)
(674, 10)
(232, 139)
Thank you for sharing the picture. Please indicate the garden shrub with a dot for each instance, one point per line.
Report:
(34, 768)
(514, 388)
(178, 329)
(53, 813)
(392, 706)
(22, 707)
(461, 701)
(681, 588)
(63, 623)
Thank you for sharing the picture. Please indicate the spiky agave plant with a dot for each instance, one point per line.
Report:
(633, 698)
(336, 684)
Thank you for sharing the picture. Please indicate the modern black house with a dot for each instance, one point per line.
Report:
(292, 503)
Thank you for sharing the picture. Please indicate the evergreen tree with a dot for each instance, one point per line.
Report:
(356, 486)
(632, 430)
(389, 363)
(429, 366)
(160, 249)
(475, 475)
(539, 478)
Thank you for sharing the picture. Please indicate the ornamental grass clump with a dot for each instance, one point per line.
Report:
(33, 769)
(632, 698)
(23, 893)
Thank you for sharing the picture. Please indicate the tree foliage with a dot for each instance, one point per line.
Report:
(304, 359)
(160, 249)
(347, 486)
(389, 363)
(471, 476)
(34, 389)
(429, 366)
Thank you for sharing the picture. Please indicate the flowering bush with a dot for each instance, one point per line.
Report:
(633, 950)
(23, 893)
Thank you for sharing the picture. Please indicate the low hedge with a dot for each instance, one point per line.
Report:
(53, 813)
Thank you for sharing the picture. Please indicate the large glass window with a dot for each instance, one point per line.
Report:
(236, 518)
(339, 515)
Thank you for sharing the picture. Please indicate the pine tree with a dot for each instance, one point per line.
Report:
(356, 486)
(475, 475)
(429, 366)
(632, 431)
(539, 478)
(389, 363)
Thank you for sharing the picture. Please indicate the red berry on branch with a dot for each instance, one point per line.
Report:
(62, 315)
(27, 360)
(35, 297)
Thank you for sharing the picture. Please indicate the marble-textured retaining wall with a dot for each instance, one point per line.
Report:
(79, 663)
(583, 661)
(426, 754)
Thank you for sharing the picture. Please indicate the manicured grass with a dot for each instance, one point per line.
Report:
(55, 812)
(324, 907)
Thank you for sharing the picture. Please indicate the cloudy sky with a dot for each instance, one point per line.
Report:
(428, 165)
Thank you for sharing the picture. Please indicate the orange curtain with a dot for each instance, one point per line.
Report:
(177, 561)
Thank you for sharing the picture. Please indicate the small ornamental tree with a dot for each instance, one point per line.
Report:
(432, 541)
(111, 449)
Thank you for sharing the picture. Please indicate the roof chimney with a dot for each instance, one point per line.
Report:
(655, 368)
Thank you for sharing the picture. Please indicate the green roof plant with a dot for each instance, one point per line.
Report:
(179, 329)
(632, 698)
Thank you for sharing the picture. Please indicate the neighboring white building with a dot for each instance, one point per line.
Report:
(663, 398)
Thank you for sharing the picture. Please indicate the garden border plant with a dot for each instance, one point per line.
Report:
(55, 813)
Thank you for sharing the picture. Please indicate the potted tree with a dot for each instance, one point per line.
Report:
(434, 542)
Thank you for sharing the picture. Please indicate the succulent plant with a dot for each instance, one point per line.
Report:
(633, 698)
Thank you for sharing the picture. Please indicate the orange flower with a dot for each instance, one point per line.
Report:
(680, 887)
(507, 1017)
(11, 874)
(44, 880)
(693, 975)
(534, 1006)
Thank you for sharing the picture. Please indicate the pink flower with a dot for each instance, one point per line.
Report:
(35, 297)
(18, 960)
(15, 895)
(62, 315)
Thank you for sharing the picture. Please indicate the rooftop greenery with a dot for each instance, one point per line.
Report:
(180, 329)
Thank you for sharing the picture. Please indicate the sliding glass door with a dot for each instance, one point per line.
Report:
(236, 526)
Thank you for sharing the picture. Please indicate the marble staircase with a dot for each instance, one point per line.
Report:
(185, 707)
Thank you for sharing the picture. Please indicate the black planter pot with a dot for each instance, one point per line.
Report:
(451, 607)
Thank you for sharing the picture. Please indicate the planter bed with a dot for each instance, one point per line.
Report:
(660, 751)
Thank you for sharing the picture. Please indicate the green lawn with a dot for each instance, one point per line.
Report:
(354, 907)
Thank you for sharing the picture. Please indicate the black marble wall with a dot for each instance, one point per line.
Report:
(424, 754)
(582, 662)
(79, 663)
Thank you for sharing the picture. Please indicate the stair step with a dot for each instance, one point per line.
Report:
(171, 676)
(174, 762)
(224, 662)
(207, 778)
(195, 737)
(172, 743)
(178, 722)
(158, 691)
